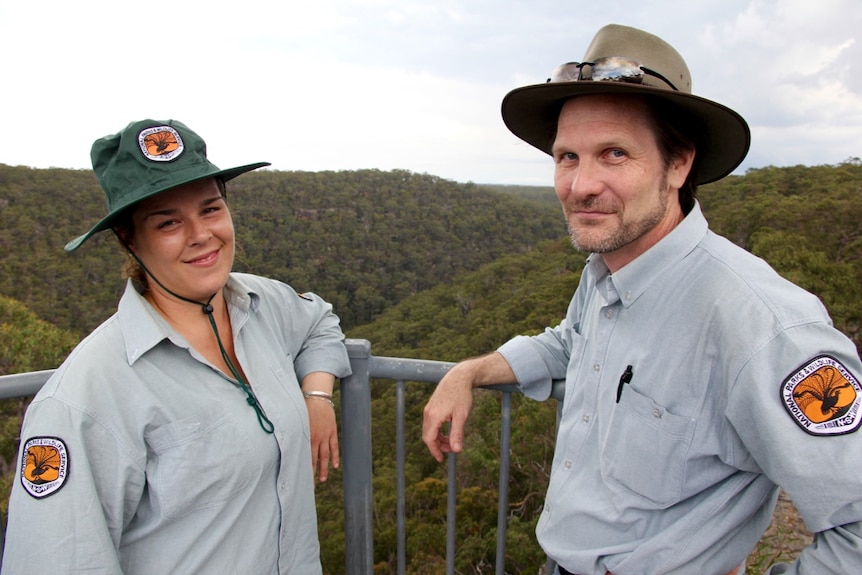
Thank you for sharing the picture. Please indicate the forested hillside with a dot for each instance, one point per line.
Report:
(364, 240)
(26, 344)
(444, 271)
(541, 195)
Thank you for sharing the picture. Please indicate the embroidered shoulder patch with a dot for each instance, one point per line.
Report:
(160, 143)
(44, 466)
(823, 397)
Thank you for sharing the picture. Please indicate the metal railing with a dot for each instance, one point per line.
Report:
(356, 452)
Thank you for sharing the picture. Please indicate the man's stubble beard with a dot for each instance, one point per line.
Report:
(623, 235)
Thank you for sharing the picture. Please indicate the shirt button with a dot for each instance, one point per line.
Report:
(656, 413)
(609, 313)
(587, 418)
(283, 485)
(568, 464)
(628, 296)
(596, 367)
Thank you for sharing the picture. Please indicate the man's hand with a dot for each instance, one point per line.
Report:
(452, 401)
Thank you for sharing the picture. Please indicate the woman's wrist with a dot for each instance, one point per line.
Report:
(318, 395)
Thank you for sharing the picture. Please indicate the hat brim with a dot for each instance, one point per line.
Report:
(105, 222)
(723, 136)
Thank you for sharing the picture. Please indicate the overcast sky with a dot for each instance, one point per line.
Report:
(402, 84)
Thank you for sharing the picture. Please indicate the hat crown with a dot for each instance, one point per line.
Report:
(144, 157)
(647, 49)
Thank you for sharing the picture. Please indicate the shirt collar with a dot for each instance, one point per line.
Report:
(143, 328)
(634, 278)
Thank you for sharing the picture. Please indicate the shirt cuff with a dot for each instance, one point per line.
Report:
(529, 366)
(330, 358)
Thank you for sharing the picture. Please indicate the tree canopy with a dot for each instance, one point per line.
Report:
(363, 240)
(424, 268)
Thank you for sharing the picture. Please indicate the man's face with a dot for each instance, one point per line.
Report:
(618, 196)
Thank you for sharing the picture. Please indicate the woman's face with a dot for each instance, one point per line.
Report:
(185, 238)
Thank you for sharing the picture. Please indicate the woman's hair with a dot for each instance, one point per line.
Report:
(124, 228)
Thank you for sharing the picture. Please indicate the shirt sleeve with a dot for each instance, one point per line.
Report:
(72, 493)
(538, 360)
(323, 346)
(819, 466)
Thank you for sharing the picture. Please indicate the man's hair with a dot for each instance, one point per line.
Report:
(124, 228)
(675, 134)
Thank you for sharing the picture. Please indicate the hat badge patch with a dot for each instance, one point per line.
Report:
(44, 466)
(823, 397)
(160, 143)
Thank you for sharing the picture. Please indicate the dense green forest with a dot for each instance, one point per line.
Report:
(422, 267)
(363, 240)
(26, 344)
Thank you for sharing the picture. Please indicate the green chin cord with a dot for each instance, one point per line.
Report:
(207, 308)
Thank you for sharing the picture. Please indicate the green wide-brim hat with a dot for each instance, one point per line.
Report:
(723, 137)
(146, 158)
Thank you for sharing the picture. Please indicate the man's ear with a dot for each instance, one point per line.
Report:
(679, 169)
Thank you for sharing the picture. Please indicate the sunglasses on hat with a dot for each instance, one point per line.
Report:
(608, 69)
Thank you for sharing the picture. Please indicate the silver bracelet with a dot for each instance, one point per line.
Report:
(321, 395)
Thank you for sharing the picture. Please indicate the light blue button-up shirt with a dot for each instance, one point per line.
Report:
(168, 469)
(680, 475)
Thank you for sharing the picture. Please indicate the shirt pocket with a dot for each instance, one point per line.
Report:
(201, 461)
(646, 449)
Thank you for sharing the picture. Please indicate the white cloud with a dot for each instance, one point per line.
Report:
(407, 84)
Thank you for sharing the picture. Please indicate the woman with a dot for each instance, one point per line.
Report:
(175, 438)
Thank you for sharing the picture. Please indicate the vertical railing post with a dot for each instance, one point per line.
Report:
(400, 479)
(451, 507)
(356, 449)
(503, 489)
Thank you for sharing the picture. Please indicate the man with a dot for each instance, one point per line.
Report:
(698, 381)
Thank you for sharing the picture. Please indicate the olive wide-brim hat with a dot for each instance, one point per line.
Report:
(722, 135)
(146, 158)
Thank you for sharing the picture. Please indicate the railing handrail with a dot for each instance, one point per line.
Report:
(23, 384)
(356, 453)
